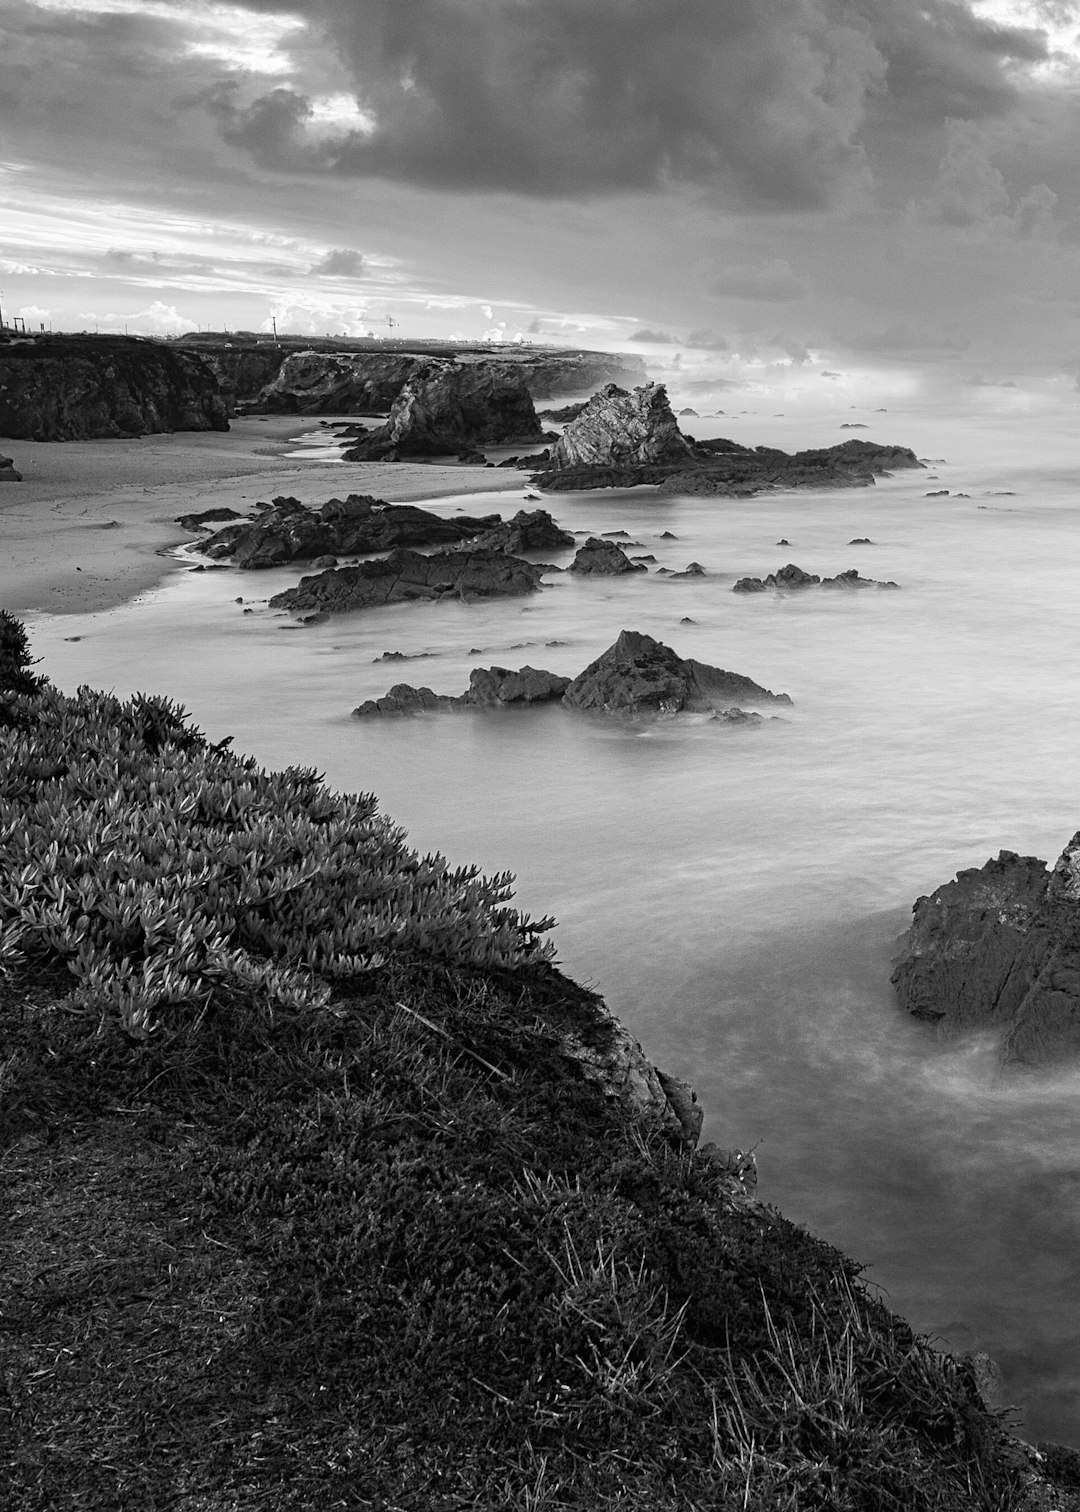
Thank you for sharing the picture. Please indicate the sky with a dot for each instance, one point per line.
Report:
(867, 200)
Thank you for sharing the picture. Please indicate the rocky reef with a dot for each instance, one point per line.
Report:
(288, 531)
(449, 408)
(407, 574)
(624, 440)
(599, 558)
(529, 530)
(80, 388)
(635, 677)
(998, 950)
(794, 578)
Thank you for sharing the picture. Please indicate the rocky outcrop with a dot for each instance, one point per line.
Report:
(406, 575)
(529, 530)
(723, 468)
(243, 370)
(794, 578)
(998, 949)
(639, 675)
(336, 383)
(7, 471)
(287, 531)
(80, 388)
(489, 688)
(445, 408)
(620, 429)
(603, 559)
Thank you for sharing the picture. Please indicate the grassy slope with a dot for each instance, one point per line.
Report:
(383, 1243)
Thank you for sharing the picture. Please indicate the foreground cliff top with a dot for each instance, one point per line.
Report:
(325, 1188)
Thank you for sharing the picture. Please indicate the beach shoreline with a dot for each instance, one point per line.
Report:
(93, 523)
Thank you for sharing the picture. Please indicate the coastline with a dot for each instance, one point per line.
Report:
(90, 525)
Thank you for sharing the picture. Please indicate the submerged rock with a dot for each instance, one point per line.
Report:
(794, 578)
(406, 575)
(620, 429)
(603, 558)
(290, 532)
(640, 675)
(999, 949)
(446, 408)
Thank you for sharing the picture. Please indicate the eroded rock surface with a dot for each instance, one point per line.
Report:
(641, 675)
(999, 949)
(619, 429)
(603, 559)
(794, 578)
(529, 530)
(8, 473)
(405, 575)
(446, 408)
(81, 388)
(489, 688)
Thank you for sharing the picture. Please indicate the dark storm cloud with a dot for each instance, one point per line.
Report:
(661, 338)
(340, 262)
(772, 101)
(772, 281)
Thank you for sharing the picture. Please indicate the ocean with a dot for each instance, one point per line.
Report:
(736, 892)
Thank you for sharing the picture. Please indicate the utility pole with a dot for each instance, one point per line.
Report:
(1, 310)
(274, 321)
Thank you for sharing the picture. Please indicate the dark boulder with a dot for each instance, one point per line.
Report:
(999, 949)
(604, 559)
(639, 675)
(7, 471)
(402, 699)
(203, 517)
(489, 688)
(794, 578)
(408, 575)
(529, 530)
(287, 531)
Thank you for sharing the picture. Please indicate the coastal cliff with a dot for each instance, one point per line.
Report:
(326, 1184)
(78, 388)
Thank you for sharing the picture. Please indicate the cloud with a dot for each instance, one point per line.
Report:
(768, 281)
(661, 338)
(969, 189)
(339, 262)
(825, 374)
(910, 339)
(707, 341)
(978, 381)
(157, 319)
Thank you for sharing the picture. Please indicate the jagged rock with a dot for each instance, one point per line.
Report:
(603, 558)
(640, 675)
(448, 408)
(692, 569)
(793, 577)
(489, 688)
(336, 383)
(620, 429)
(208, 517)
(529, 530)
(999, 948)
(287, 531)
(858, 541)
(7, 471)
(79, 388)
(851, 579)
(568, 412)
(406, 575)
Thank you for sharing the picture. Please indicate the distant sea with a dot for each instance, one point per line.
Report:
(735, 893)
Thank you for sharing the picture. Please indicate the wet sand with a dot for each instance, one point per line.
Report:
(87, 527)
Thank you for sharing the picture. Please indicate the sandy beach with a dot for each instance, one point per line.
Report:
(92, 522)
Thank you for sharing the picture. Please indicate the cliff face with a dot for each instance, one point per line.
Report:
(999, 949)
(78, 388)
(243, 371)
(447, 407)
(330, 383)
(620, 429)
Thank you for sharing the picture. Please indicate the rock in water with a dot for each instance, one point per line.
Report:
(999, 949)
(489, 688)
(639, 675)
(529, 530)
(604, 559)
(405, 575)
(621, 429)
(81, 388)
(445, 408)
(7, 471)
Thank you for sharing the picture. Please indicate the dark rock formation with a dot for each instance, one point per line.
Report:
(489, 688)
(336, 383)
(354, 526)
(620, 429)
(639, 675)
(794, 578)
(999, 948)
(724, 468)
(242, 370)
(529, 530)
(405, 575)
(604, 558)
(567, 413)
(203, 517)
(7, 471)
(445, 408)
(79, 388)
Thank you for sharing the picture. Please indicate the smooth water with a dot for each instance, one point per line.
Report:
(736, 892)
